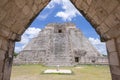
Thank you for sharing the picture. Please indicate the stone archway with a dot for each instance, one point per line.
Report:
(16, 16)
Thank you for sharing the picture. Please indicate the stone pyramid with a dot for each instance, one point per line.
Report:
(58, 44)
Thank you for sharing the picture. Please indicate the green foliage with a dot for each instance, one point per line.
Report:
(104, 55)
(15, 54)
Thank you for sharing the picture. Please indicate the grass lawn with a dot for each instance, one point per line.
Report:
(83, 72)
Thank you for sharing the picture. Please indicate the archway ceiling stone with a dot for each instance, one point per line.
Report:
(17, 15)
(104, 15)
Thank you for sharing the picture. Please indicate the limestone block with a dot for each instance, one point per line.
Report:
(91, 11)
(115, 77)
(2, 14)
(112, 21)
(111, 45)
(118, 39)
(18, 25)
(89, 2)
(1, 75)
(4, 31)
(103, 28)
(3, 2)
(11, 10)
(78, 4)
(30, 3)
(115, 70)
(38, 2)
(84, 6)
(5, 44)
(22, 30)
(114, 32)
(118, 47)
(2, 57)
(73, 1)
(34, 8)
(97, 19)
(109, 6)
(113, 58)
(26, 9)
(7, 69)
(117, 12)
(101, 13)
(0, 42)
(21, 3)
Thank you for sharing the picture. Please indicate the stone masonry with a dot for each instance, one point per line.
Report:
(16, 16)
(60, 44)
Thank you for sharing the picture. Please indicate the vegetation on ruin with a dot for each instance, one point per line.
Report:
(83, 72)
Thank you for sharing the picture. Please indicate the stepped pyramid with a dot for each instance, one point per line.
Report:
(58, 44)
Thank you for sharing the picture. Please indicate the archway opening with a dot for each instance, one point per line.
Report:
(68, 18)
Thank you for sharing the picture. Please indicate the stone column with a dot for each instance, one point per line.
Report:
(6, 58)
(113, 47)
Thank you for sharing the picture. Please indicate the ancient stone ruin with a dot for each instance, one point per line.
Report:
(60, 44)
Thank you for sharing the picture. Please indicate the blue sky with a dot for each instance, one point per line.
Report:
(60, 11)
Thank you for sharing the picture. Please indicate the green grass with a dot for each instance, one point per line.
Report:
(83, 72)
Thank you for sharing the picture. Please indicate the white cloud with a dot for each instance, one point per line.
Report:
(69, 11)
(100, 46)
(26, 37)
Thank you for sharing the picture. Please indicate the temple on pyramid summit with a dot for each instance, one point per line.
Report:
(60, 44)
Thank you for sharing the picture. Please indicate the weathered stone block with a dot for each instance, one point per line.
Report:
(118, 39)
(18, 25)
(7, 69)
(34, 8)
(0, 42)
(114, 32)
(1, 75)
(78, 3)
(112, 21)
(30, 3)
(38, 2)
(115, 77)
(111, 46)
(21, 3)
(73, 1)
(113, 58)
(4, 31)
(103, 28)
(117, 12)
(2, 3)
(2, 57)
(89, 2)
(5, 44)
(22, 30)
(91, 11)
(84, 6)
(101, 13)
(109, 6)
(26, 9)
(9, 19)
(115, 70)
(2, 14)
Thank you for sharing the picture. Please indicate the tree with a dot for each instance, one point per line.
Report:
(15, 54)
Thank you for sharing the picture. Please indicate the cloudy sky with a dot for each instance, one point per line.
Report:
(61, 11)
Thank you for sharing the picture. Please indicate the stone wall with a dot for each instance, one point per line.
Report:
(16, 15)
(104, 15)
